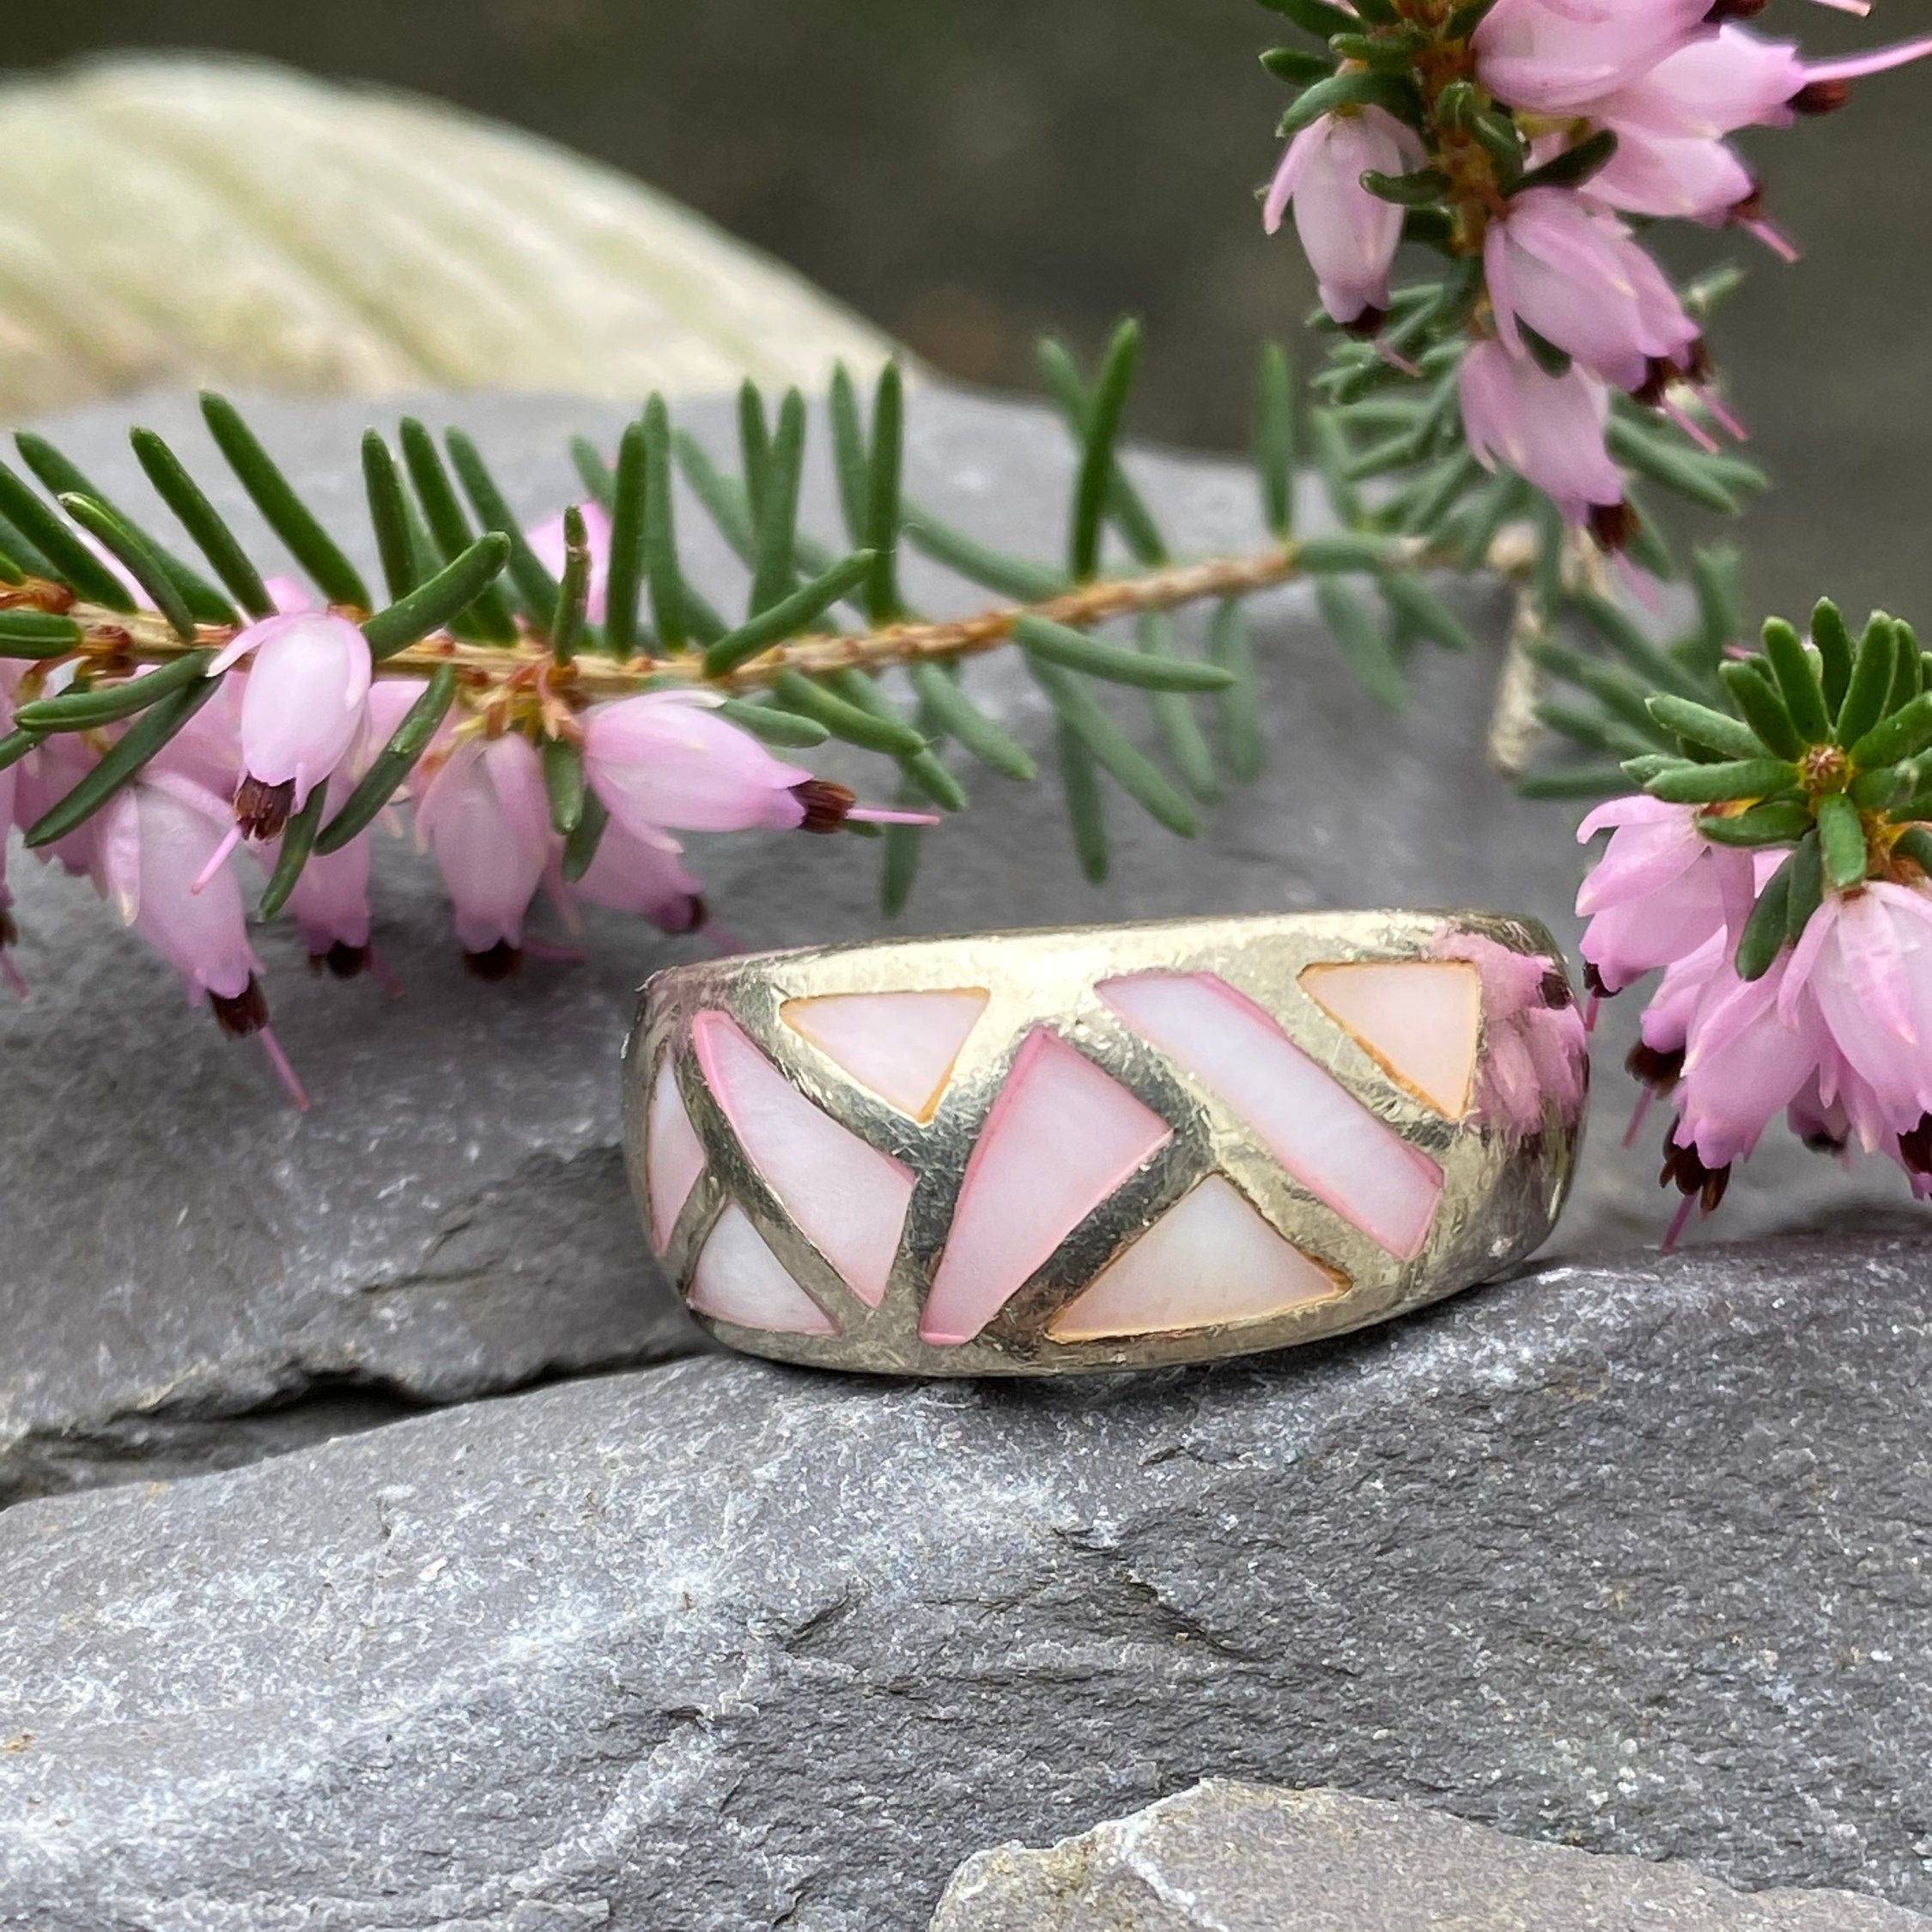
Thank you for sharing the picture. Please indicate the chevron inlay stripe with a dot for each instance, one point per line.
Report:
(900, 1045)
(848, 1199)
(1060, 1137)
(1418, 1018)
(1326, 1137)
(677, 1159)
(739, 1278)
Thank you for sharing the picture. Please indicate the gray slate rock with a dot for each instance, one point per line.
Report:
(1228, 1858)
(451, 1220)
(1636, 1557)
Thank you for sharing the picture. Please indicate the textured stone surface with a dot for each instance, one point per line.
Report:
(451, 1218)
(1636, 1557)
(1228, 1858)
(353, 239)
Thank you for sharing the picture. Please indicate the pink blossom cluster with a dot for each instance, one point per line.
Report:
(1670, 80)
(300, 708)
(1833, 1035)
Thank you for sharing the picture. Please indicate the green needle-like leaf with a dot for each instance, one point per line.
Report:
(1644, 655)
(283, 510)
(122, 760)
(1061, 644)
(205, 602)
(298, 841)
(1759, 699)
(1730, 737)
(449, 527)
(1244, 740)
(788, 618)
(1763, 938)
(392, 764)
(1915, 843)
(883, 513)
(1358, 87)
(1841, 835)
(67, 558)
(77, 711)
(1806, 891)
(776, 508)
(15, 745)
(1126, 509)
(668, 607)
(1316, 17)
(1905, 733)
(389, 516)
(535, 588)
(1275, 437)
(596, 473)
(579, 849)
(1835, 653)
(1797, 683)
(1777, 821)
(1871, 682)
(1137, 774)
(1180, 730)
(626, 569)
(1677, 467)
(754, 446)
(455, 587)
(1096, 453)
(1419, 189)
(36, 633)
(563, 782)
(1016, 577)
(892, 736)
(1425, 614)
(1739, 778)
(923, 772)
(774, 726)
(573, 591)
(1575, 165)
(1363, 641)
(901, 868)
(953, 712)
(1572, 781)
(850, 464)
(138, 557)
(1086, 811)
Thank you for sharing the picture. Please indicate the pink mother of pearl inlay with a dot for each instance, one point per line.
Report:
(739, 1278)
(848, 1198)
(1060, 1137)
(1326, 1137)
(900, 1045)
(1417, 1018)
(1210, 1259)
(673, 1158)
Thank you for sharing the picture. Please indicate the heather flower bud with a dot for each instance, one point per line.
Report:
(1548, 428)
(486, 817)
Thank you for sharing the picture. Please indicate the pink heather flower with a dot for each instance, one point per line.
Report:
(1559, 56)
(666, 758)
(301, 711)
(1349, 234)
(486, 818)
(547, 540)
(1746, 1060)
(633, 875)
(1574, 275)
(1679, 177)
(1549, 429)
(155, 841)
(1658, 894)
(1732, 79)
(46, 775)
(1538, 1052)
(1864, 962)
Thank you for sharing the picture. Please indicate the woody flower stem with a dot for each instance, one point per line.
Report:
(116, 637)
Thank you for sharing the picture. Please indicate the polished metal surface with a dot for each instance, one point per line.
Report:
(1506, 1168)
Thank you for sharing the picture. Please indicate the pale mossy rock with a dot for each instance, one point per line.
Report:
(451, 1220)
(1634, 1557)
(189, 220)
(1228, 1858)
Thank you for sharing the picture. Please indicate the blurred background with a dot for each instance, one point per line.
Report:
(967, 175)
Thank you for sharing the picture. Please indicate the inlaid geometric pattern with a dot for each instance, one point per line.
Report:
(1100, 1147)
(1060, 1140)
(1210, 1259)
(1312, 1124)
(848, 1199)
(1419, 1017)
(902, 1045)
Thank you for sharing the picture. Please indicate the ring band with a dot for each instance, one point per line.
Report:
(1104, 1147)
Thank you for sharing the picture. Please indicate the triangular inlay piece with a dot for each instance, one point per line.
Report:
(1417, 1018)
(1060, 1137)
(1326, 1137)
(1211, 1259)
(739, 1278)
(848, 1199)
(899, 1045)
(673, 1156)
